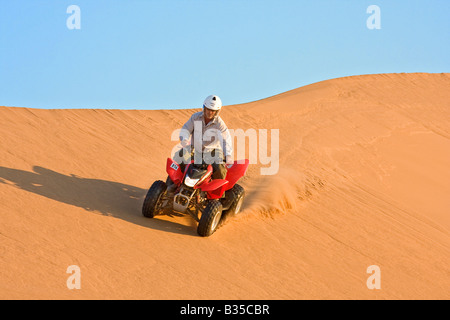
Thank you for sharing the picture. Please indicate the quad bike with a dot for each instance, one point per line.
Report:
(208, 201)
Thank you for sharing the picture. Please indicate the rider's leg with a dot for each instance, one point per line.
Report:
(219, 171)
(216, 159)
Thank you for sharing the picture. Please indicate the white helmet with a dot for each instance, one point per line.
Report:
(212, 102)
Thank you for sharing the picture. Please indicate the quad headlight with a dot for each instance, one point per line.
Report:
(190, 182)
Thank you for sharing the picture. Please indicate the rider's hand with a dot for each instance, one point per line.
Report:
(184, 143)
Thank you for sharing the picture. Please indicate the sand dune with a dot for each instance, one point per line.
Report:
(364, 180)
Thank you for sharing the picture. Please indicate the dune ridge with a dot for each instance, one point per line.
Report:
(363, 180)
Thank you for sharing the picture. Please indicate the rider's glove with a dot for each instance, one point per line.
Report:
(184, 142)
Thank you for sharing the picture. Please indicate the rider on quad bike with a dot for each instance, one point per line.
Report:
(212, 148)
(199, 181)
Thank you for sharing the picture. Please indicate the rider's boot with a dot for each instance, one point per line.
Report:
(171, 187)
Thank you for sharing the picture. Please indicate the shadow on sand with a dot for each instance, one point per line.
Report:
(105, 197)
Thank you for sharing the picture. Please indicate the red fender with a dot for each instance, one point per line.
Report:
(174, 171)
(215, 188)
(235, 172)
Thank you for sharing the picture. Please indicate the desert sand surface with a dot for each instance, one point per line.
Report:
(363, 179)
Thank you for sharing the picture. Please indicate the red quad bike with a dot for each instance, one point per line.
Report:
(208, 201)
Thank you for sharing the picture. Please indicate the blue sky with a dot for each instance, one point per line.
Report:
(160, 54)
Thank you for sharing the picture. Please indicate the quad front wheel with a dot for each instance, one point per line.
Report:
(210, 218)
(152, 202)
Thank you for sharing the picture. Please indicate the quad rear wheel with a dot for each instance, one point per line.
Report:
(235, 208)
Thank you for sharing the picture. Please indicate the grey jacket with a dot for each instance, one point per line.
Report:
(214, 135)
